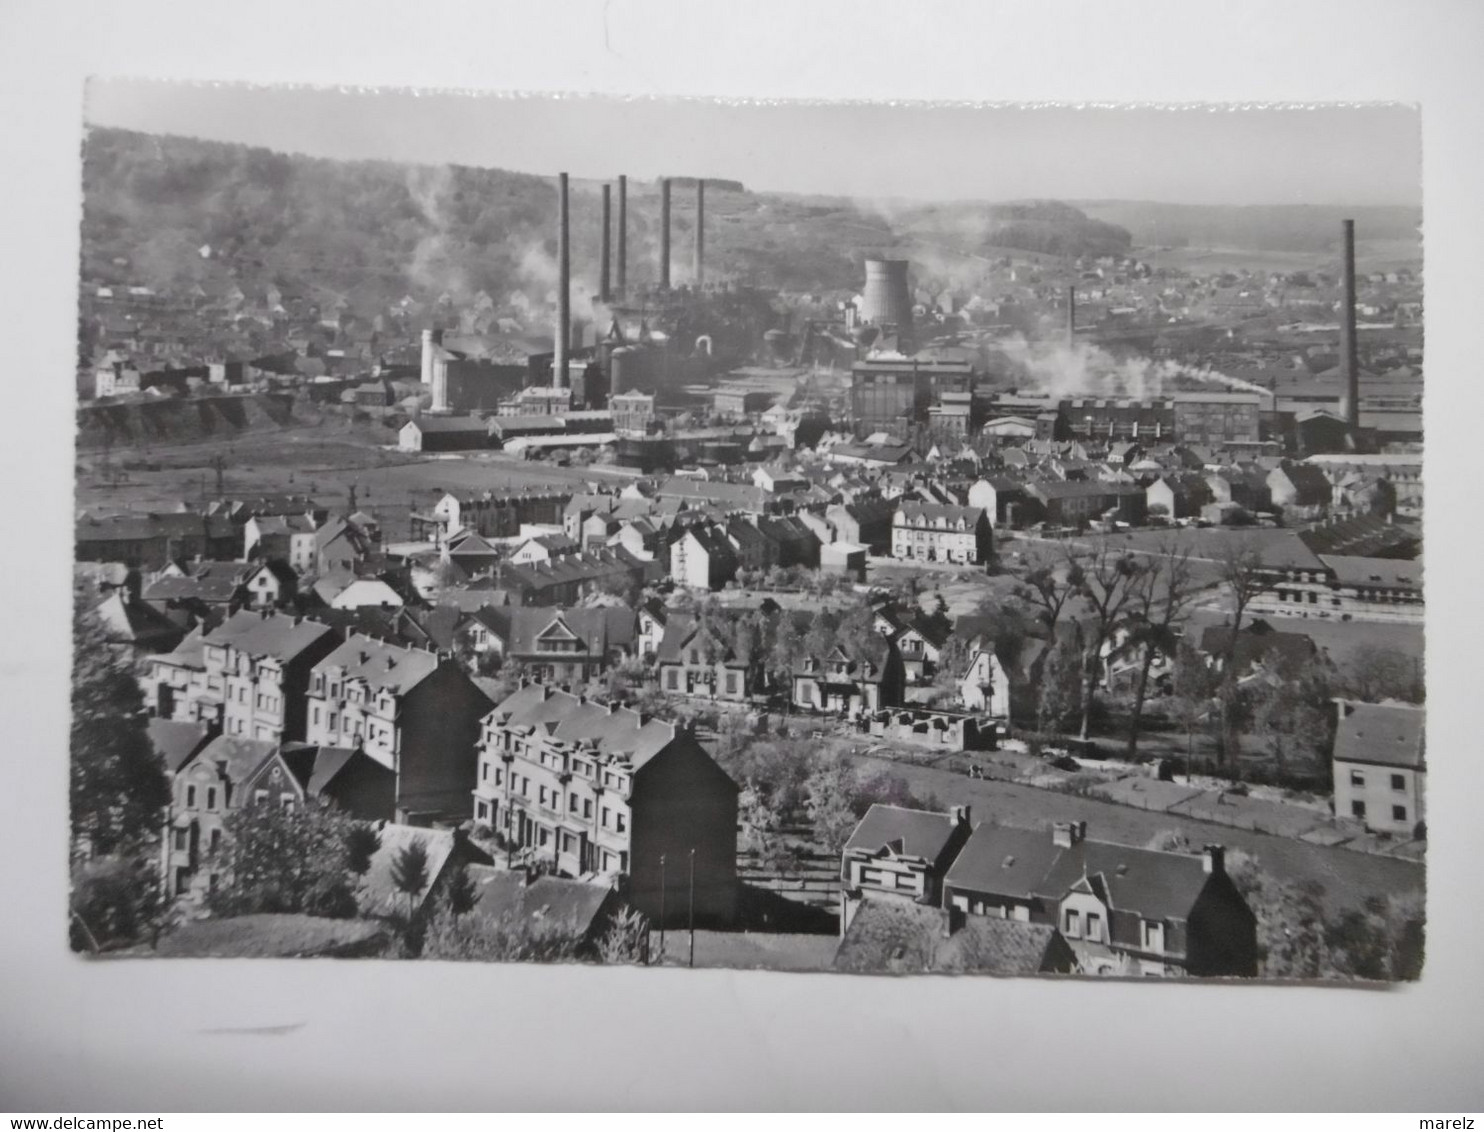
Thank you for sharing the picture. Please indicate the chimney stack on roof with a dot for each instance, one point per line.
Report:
(1068, 833)
(1214, 859)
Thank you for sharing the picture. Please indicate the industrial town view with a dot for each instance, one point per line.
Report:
(527, 564)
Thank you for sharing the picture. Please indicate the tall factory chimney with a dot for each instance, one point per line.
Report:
(665, 234)
(1348, 353)
(700, 268)
(563, 334)
(623, 234)
(1071, 314)
(603, 292)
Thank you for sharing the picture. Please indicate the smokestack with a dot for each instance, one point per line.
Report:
(1071, 314)
(623, 233)
(563, 334)
(427, 374)
(700, 270)
(665, 234)
(1348, 350)
(603, 256)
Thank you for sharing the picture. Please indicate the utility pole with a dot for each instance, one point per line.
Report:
(692, 913)
(662, 907)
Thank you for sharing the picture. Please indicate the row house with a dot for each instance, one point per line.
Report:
(488, 515)
(607, 794)
(562, 646)
(900, 854)
(247, 676)
(1124, 910)
(1077, 504)
(930, 532)
(567, 580)
(414, 711)
(149, 541)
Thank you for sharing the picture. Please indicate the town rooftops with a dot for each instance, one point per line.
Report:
(907, 833)
(1003, 859)
(1381, 734)
(572, 907)
(396, 669)
(902, 938)
(617, 731)
(268, 634)
(929, 513)
(1156, 884)
(138, 527)
(451, 424)
(177, 741)
(1387, 573)
(234, 756)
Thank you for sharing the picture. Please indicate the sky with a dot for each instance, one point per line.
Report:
(1336, 155)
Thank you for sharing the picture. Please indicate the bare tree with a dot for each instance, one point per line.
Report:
(1243, 573)
(1108, 584)
(1161, 598)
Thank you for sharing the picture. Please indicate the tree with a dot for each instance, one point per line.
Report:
(1288, 711)
(119, 785)
(509, 939)
(1161, 598)
(1290, 920)
(627, 938)
(1059, 690)
(461, 894)
(1194, 684)
(1383, 939)
(410, 873)
(1375, 673)
(831, 795)
(1244, 576)
(786, 652)
(284, 859)
(1107, 585)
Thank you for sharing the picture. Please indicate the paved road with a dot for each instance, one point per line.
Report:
(1348, 877)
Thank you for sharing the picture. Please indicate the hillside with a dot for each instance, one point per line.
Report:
(170, 212)
(1282, 228)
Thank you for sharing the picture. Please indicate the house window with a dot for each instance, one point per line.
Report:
(1398, 782)
(181, 839)
(572, 803)
(216, 840)
(618, 821)
(211, 797)
(1357, 809)
(190, 797)
(672, 679)
(286, 801)
(731, 683)
(499, 776)
(484, 772)
(316, 715)
(1398, 813)
(605, 817)
(1072, 923)
(543, 795)
(1357, 778)
(587, 808)
(482, 811)
(1094, 926)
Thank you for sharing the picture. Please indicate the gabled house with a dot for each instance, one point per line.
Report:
(414, 711)
(693, 662)
(933, 532)
(896, 853)
(446, 850)
(606, 794)
(851, 682)
(1380, 766)
(703, 558)
(889, 936)
(1123, 910)
(985, 686)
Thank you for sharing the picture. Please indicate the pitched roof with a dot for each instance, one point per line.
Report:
(552, 903)
(898, 937)
(1393, 572)
(238, 757)
(380, 892)
(933, 512)
(1385, 734)
(1258, 643)
(381, 665)
(177, 741)
(1003, 859)
(1155, 884)
(908, 833)
(275, 635)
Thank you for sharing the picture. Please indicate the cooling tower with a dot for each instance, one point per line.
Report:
(887, 297)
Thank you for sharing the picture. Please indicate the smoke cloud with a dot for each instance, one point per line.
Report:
(1083, 369)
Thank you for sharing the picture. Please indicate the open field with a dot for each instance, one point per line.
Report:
(319, 463)
(1371, 255)
(1348, 877)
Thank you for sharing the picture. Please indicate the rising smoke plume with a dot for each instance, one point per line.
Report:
(1083, 369)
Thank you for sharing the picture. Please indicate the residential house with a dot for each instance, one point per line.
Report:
(1380, 766)
(703, 558)
(851, 681)
(890, 936)
(446, 851)
(1178, 496)
(1125, 911)
(930, 532)
(1258, 647)
(579, 911)
(900, 854)
(604, 793)
(414, 711)
(865, 521)
(691, 661)
(1300, 490)
(560, 645)
(204, 791)
(149, 541)
(985, 685)
(565, 581)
